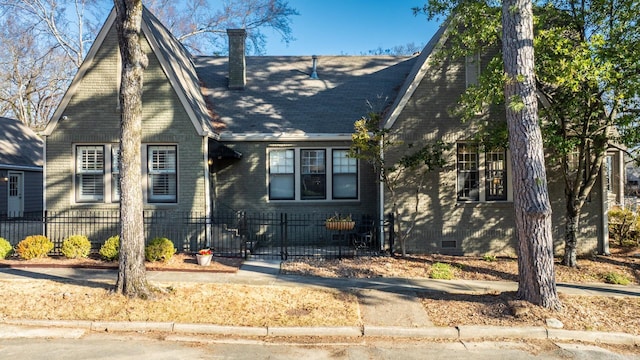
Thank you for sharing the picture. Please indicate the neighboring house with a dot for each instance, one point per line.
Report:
(271, 134)
(467, 208)
(20, 169)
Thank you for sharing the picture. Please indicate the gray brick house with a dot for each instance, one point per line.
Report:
(267, 134)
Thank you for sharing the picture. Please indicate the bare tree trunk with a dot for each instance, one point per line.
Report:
(536, 279)
(132, 279)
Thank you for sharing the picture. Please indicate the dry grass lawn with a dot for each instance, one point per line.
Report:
(244, 305)
(227, 304)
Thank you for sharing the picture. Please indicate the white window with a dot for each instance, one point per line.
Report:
(308, 174)
(472, 69)
(482, 176)
(313, 178)
(115, 174)
(608, 168)
(89, 173)
(345, 175)
(162, 174)
(281, 175)
(496, 175)
(97, 173)
(468, 173)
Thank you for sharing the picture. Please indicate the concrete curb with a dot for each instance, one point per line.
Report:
(617, 338)
(343, 331)
(420, 332)
(131, 326)
(219, 329)
(19, 332)
(468, 332)
(77, 328)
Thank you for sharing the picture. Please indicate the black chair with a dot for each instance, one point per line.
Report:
(362, 238)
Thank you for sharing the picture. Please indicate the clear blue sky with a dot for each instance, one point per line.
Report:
(352, 27)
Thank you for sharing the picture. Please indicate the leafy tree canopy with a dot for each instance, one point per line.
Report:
(587, 65)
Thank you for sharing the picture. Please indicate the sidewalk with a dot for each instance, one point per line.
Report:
(389, 306)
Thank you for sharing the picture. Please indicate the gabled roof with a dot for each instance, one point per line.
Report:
(281, 98)
(415, 77)
(176, 63)
(20, 147)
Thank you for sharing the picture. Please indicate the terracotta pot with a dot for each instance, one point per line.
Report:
(204, 260)
(340, 225)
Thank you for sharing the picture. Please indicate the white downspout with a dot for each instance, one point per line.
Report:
(44, 182)
(44, 174)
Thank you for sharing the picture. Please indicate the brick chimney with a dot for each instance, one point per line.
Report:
(237, 64)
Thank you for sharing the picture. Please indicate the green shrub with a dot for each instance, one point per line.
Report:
(489, 258)
(35, 246)
(5, 248)
(623, 226)
(111, 248)
(76, 246)
(159, 249)
(441, 271)
(615, 278)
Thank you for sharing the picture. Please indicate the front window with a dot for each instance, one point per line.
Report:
(162, 165)
(496, 174)
(281, 174)
(482, 176)
(89, 173)
(468, 174)
(313, 175)
(345, 175)
(609, 172)
(115, 174)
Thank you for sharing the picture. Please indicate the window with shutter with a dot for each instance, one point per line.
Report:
(115, 174)
(162, 165)
(89, 173)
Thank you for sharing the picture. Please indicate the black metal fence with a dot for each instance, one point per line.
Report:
(285, 235)
(229, 233)
(188, 231)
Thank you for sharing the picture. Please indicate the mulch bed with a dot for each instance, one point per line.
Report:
(179, 262)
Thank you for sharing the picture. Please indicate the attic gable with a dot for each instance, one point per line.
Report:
(415, 77)
(175, 61)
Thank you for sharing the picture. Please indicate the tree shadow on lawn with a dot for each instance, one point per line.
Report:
(75, 277)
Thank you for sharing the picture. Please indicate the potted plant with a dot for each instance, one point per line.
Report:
(339, 222)
(204, 257)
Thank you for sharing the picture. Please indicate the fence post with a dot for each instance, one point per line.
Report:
(392, 234)
(45, 223)
(283, 239)
(242, 231)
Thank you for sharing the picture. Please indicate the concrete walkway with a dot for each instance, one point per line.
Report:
(389, 306)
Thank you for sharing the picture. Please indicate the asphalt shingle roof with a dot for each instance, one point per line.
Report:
(181, 66)
(19, 145)
(280, 96)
